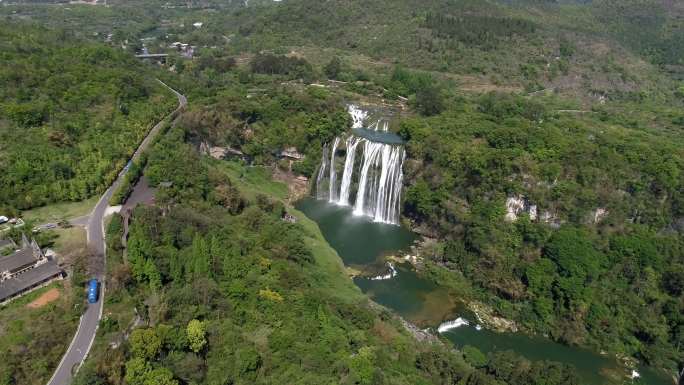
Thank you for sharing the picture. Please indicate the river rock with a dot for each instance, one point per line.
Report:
(485, 315)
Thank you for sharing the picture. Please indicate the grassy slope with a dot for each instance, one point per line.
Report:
(329, 272)
(33, 340)
(58, 211)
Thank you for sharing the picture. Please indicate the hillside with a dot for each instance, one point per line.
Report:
(573, 108)
(229, 292)
(573, 49)
(588, 50)
(72, 112)
(606, 183)
(605, 139)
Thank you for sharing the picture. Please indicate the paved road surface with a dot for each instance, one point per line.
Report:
(87, 328)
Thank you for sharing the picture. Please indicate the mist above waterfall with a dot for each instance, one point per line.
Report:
(372, 181)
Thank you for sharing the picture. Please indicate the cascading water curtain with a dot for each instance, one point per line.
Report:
(380, 182)
(358, 115)
(352, 144)
(388, 198)
(378, 176)
(370, 152)
(333, 173)
(320, 191)
(379, 125)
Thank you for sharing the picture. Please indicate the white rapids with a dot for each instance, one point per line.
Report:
(358, 115)
(391, 274)
(448, 325)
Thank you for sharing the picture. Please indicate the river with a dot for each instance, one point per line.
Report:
(362, 244)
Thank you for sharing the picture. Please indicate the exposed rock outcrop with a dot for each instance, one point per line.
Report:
(599, 214)
(485, 315)
(217, 152)
(518, 205)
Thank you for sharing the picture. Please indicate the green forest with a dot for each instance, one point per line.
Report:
(573, 107)
(71, 112)
(228, 292)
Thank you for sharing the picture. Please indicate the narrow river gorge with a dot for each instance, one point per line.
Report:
(357, 207)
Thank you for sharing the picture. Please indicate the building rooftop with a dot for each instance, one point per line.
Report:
(30, 278)
(17, 260)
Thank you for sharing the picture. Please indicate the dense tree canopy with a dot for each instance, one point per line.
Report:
(573, 106)
(74, 111)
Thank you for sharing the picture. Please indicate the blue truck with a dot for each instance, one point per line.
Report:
(93, 286)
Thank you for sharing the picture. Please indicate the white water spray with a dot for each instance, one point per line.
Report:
(380, 182)
(391, 274)
(370, 157)
(320, 192)
(333, 174)
(352, 144)
(379, 173)
(379, 125)
(358, 115)
(448, 325)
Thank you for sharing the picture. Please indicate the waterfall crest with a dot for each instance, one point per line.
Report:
(358, 115)
(379, 125)
(374, 182)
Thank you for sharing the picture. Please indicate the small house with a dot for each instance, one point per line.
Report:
(25, 269)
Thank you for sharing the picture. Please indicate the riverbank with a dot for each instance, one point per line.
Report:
(487, 316)
(426, 294)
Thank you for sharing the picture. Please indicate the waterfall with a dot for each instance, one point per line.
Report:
(358, 115)
(380, 182)
(448, 325)
(378, 174)
(333, 174)
(389, 184)
(379, 125)
(380, 178)
(320, 192)
(391, 274)
(352, 144)
(370, 154)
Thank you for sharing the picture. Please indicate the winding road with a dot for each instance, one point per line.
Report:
(87, 328)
